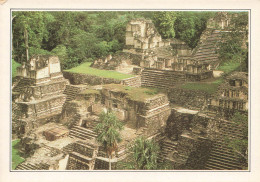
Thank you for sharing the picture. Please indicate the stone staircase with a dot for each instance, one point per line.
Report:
(206, 50)
(92, 124)
(22, 83)
(51, 150)
(31, 166)
(164, 79)
(133, 81)
(68, 148)
(82, 133)
(72, 90)
(82, 157)
(167, 147)
(221, 156)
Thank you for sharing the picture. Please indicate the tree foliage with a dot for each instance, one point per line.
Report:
(143, 155)
(190, 25)
(108, 131)
(77, 37)
(164, 21)
(34, 24)
(234, 48)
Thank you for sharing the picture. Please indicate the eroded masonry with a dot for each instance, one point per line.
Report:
(55, 117)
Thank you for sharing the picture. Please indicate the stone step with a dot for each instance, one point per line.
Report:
(205, 51)
(84, 129)
(232, 160)
(206, 56)
(24, 167)
(154, 83)
(214, 167)
(219, 166)
(217, 154)
(161, 78)
(30, 166)
(82, 134)
(224, 163)
(71, 92)
(68, 148)
(225, 136)
(222, 148)
(230, 129)
(76, 135)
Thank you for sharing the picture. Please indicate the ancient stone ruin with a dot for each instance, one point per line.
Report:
(233, 94)
(55, 118)
(38, 92)
(146, 52)
(141, 34)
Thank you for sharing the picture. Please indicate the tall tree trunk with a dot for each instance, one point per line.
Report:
(110, 162)
(13, 34)
(26, 43)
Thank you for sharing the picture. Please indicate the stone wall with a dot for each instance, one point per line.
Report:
(42, 108)
(199, 76)
(23, 126)
(193, 99)
(177, 123)
(70, 115)
(43, 91)
(133, 81)
(165, 79)
(76, 162)
(150, 113)
(78, 78)
(155, 122)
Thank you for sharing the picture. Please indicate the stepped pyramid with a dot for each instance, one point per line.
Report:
(206, 51)
(38, 94)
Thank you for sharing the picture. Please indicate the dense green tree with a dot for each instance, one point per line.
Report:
(164, 21)
(108, 131)
(29, 30)
(190, 25)
(143, 155)
(234, 48)
(77, 37)
(62, 52)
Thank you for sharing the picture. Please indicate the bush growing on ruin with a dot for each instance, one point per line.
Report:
(108, 131)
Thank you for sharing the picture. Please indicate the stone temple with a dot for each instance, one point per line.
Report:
(55, 112)
(38, 91)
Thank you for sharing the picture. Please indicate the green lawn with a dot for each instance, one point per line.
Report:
(209, 87)
(14, 66)
(86, 69)
(229, 67)
(16, 158)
